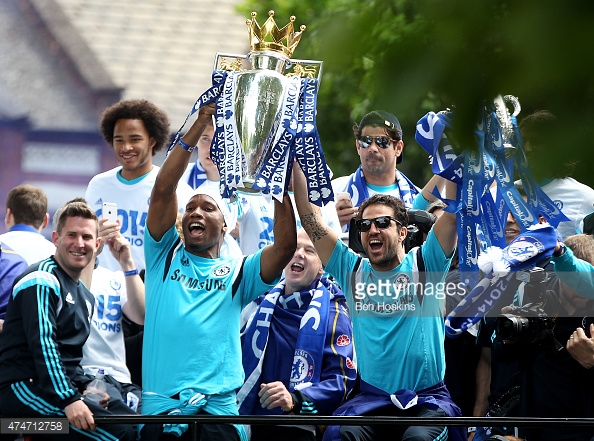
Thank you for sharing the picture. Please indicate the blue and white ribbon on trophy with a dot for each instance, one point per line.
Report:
(431, 135)
(224, 152)
(538, 200)
(218, 81)
(308, 148)
(277, 167)
(475, 171)
(294, 136)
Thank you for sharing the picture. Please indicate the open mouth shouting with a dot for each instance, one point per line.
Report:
(196, 228)
(297, 267)
(375, 245)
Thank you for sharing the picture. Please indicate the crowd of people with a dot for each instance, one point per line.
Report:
(195, 305)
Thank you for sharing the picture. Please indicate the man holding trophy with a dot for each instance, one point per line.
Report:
(264, 120)
(195, 297)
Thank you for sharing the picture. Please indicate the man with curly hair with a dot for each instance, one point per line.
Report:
(135, 130)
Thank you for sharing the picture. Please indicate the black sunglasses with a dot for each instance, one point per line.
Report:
(381, 222)
(381, 141)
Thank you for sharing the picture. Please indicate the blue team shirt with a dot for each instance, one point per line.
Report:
(12, 265)
(191, 333)
(398, 336)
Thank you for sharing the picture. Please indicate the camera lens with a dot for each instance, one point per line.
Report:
(509, 327)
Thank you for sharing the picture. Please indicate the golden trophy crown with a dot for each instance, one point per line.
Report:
(270, 38)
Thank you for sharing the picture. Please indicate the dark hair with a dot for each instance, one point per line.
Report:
(392, 133)
(155, 120)
(28, 205)
(75, 208)
(537, 126)
(389, 201)
(380, 118)
(542, 130)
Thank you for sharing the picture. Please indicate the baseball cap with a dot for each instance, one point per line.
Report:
(383, 119)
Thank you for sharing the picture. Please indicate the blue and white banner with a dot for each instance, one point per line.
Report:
(481, 216)
(276, 169)
(308, 148)
(500, 283)
(294, 136)
(218, 81)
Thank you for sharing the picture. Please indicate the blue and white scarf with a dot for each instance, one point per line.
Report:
(499, 266)
(197, 175)
(357, 188)
(312, 305)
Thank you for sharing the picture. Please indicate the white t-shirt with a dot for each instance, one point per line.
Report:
(256, 220)
(105, 349)
(31, 246)
(132, 201)
(574, 199)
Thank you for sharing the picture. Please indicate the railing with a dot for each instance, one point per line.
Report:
(346, 420)
(195, 420)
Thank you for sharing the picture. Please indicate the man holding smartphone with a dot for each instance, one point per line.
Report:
(378, 139)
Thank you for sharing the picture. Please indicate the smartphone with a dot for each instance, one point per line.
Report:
(343, 195)
(110, 212)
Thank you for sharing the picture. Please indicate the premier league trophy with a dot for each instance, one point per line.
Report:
(266, 115)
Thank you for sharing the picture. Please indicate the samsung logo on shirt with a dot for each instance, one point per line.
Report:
(192, 283)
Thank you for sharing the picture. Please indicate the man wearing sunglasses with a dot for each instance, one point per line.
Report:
(379, 145)
(396, 312)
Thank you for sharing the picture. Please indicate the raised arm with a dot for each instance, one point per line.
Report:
(134, 308)
(445, 228)
(163, 206)
(577, 273)
(322, 236)
(278, 254)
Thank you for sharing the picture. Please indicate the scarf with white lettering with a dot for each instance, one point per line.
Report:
(357, 188)
(500, 283)
(197, 175)
(311, 306)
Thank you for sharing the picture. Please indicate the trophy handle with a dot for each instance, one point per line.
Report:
(515, 102)
(304, 69)
(231, 62)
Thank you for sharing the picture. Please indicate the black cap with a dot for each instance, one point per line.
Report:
(383, 119)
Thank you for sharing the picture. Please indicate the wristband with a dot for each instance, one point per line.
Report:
(561, 250)
(187, 147)
(131, 272)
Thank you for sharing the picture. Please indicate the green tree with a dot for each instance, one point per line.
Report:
(412, 56)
